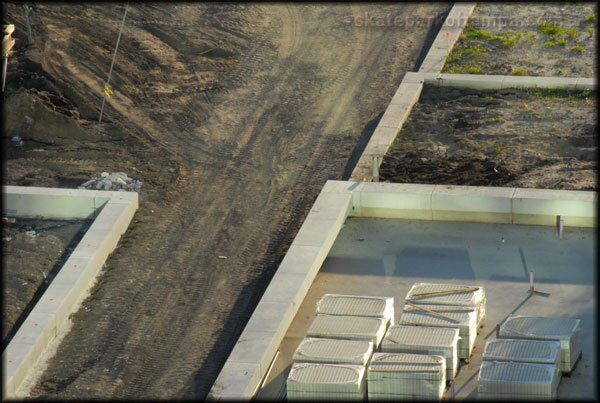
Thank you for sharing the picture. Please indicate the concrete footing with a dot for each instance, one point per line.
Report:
(112, 213)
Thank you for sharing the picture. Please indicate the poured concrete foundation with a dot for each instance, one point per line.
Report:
(46, 323)
(254, 353)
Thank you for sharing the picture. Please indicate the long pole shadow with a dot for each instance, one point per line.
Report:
(510, 313)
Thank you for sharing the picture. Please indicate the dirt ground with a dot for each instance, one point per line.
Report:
(532, 139)
(233, 116)
(32, 253)
(514, 40)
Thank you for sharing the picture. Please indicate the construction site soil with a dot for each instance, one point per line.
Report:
(233, 116)
(532, 39)
(523, 138)
(32, 253)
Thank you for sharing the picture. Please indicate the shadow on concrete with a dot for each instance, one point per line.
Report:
(431, 261)
(493, 331)
(355, 266)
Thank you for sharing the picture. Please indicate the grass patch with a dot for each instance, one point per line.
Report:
(479, 34)
(548, 95)
(560, 42)
(578, 49)
(468, 68)
(590, 31)
(553, 30)
(519, 71)
(572, 32)
(590, 18)
(497, 119)
(510, 40)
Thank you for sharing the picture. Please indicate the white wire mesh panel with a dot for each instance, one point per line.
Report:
(449, 294)
(357, 305)
(566, 330)
(522, 350)
(334, 351)
(326, 381)
(516, 380)
(406, 376)
(348, 327)
(462, 318)
(425, 340)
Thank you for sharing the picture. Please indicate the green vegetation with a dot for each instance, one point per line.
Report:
(553, 30)
(560, 42)
(470, 33)
(497, 119)
(468, 68)
(547, 95)
(578, 49)
(498, 148)
(590, 18)
(590, 31)
(510, 40)
(572, 32)
(519, 71)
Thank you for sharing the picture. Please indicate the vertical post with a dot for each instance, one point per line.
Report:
(112, 63)
(498, 331)
(4, 64)
(27, 9)
(561, 224)
(375, 169)
(531, 288)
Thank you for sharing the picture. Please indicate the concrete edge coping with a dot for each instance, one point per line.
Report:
(484, 82)
(394, 117)
(244, 371)
(440, 49)
(63, 296)
(409, 91)
(296, 273)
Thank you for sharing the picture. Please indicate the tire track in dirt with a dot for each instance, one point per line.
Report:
(164, 316)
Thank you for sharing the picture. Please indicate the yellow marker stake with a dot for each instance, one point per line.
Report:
(107, 91)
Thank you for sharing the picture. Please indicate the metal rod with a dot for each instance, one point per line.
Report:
(27, 9)
(561, 224)
(531, 282)
(113, 62)
(4, 64)
(375, 169)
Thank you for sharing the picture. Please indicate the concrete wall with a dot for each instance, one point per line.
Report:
(476, 204)
(113, 212)
(409, 91)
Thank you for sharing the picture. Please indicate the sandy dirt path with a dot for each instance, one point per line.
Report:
(253, 141)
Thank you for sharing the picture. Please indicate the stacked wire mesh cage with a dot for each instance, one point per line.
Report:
(331, 362)
(528, 359)
(354, 350)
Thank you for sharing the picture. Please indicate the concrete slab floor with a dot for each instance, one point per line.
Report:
(374, 256)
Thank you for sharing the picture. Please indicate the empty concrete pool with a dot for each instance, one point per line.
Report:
(375, 256)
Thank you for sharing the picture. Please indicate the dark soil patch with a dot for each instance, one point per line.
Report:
(524, 138)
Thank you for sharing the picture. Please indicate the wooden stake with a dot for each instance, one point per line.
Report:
(434, 313)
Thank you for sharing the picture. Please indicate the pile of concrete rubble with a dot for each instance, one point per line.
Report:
(114, 181)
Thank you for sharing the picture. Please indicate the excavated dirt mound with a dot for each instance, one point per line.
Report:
(533, 139)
